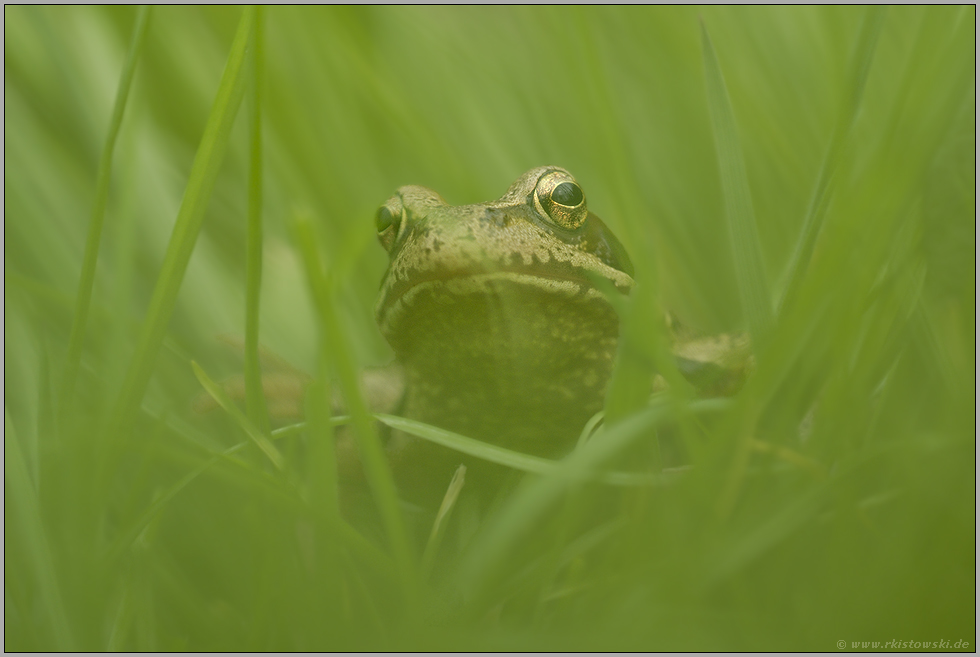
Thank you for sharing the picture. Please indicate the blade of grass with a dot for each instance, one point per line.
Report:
(933, 60)
(753, 544)
(502, 456)
(376, 470)
(641, 350)
(636, 358)
(26, 523)
(126, 537)
(505, 529)
(322, 486)
(362, 549)
(300, 427)
(103, 176)
(190, 217)
(439, 524)
(744, 429)
(323, 457)
(243, 422)
(862, 54)
(750, 271)
(254, 400)
(590, 428)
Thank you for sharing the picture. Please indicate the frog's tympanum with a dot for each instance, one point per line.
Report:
(493, 315)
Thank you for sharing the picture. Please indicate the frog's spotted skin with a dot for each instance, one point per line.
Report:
(452, 250)
(491, 310)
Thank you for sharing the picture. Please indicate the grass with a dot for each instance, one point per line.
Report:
(84, 296)
(255, 403)
(750, 272)
(804, 173)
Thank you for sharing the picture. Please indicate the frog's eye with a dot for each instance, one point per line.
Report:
(388, 220)
(560, 199)
(384, 219)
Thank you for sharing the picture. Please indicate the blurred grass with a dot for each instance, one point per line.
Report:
(84, 296)
(254, 401)
(750, 273)
(854, 518)
(335, 351)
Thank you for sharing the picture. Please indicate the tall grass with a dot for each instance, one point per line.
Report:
(806, 173)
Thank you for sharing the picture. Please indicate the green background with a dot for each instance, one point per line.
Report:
(860, 528)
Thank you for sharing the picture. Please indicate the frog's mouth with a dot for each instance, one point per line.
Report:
(438, 291)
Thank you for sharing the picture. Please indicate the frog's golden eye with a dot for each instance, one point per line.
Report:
(560, 199)
(388, 220)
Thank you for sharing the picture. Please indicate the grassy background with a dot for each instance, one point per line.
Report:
(145, 533)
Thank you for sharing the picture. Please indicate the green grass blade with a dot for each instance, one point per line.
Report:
(24, 522)
(862, 55)
(504, 530)
(636, 357)
(126, 537)
(753, 544)
(362, 549)
(369, 446)
(502, 456)
(103, 177)
(204, 171)
(640, 353)
(254, 400)
(481, 450)
(243, 422)
(300, 427)
(439, 524)
(750, 271)
(323, 457)
(590, 428)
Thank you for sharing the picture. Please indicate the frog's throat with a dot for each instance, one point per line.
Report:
(394, 305)
(504, 357)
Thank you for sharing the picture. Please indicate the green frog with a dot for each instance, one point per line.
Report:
(495, 319)
(499, 330)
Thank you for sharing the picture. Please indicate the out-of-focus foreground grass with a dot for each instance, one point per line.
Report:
(832, 500)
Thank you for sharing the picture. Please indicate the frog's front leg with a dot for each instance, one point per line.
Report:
(283, 393)
(284, 387)
(716, 365)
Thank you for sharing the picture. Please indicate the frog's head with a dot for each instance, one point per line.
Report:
(538, 238)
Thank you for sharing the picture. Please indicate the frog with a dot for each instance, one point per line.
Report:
(498, 319)
(503, 330)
